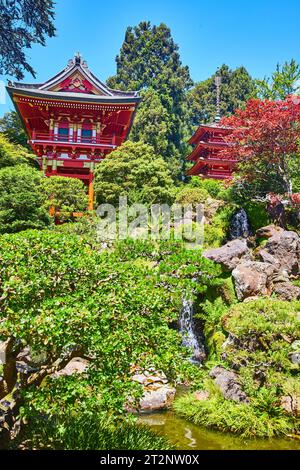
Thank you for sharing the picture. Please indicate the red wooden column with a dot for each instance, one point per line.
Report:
(91, 187)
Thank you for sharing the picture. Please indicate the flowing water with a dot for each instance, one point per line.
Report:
(187, 329)
(187, 436)
(239, 225)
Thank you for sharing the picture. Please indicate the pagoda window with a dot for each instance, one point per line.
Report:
(86, 135)
(63, 133)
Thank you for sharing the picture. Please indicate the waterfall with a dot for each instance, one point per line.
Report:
(239, 225)
(187, 329)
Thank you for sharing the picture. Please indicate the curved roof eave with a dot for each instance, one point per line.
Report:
(76, 64)
(69, 96)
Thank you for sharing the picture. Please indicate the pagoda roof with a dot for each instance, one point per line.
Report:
(75, 81)
(203, 128)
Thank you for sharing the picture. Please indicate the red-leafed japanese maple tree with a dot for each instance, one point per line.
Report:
(265, 141)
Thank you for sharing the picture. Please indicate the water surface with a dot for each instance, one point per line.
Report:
(187, 436)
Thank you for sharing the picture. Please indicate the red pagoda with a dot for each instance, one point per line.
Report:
(74, 120)
(209, 140)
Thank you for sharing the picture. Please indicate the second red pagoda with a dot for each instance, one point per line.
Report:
(209, 140)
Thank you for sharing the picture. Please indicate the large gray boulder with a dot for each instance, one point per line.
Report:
(228, 384)
(229, 255)
(286, 291)
(252, 278)
(282, 250)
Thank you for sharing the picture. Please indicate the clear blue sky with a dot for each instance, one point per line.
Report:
(253, 33)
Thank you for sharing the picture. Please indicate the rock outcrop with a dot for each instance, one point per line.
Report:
(282, 250)
(265, 270)
(252, 278)
(286, 291)
(269, 231)
(228, 384)
(229, 255)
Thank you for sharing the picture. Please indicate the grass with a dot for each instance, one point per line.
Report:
(245, 420)
(87, 431)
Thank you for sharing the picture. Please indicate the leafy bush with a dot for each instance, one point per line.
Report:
(13, 154)
(22, 204)
(216, 232)
(65, 195)
(191, 196)
(257, 214)
(213, 187)
(133, 170)
(61, 296)
(85, 227)
(265, 318)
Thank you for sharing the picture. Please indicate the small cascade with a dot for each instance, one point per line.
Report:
(239, 225)
(187, 329)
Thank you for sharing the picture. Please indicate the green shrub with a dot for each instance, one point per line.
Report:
(22, 203)
(135, 171)
(262, 333)
(266, 318)
(65, 195)
(12, 154)
(216, 232)
(191, 196)
(224, 415)
(213, 187)
(61, 293)
(257, 214)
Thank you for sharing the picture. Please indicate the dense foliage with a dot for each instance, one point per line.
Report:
(135, 171)
(12, 154)
(22, 204)
(62, 297)
(22, 24)
(265, 140)
(65, 195)
(11, 126)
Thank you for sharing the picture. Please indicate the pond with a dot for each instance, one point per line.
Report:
(187, 436)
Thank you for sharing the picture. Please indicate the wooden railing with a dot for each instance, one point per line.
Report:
(73, 139)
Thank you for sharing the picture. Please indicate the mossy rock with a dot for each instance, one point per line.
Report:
(214, 340)
(224, 288)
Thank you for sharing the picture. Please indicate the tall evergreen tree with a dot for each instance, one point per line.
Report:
(11, 126)
(284, 81)
(149, 61)
(23, 23)
(236, 89)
